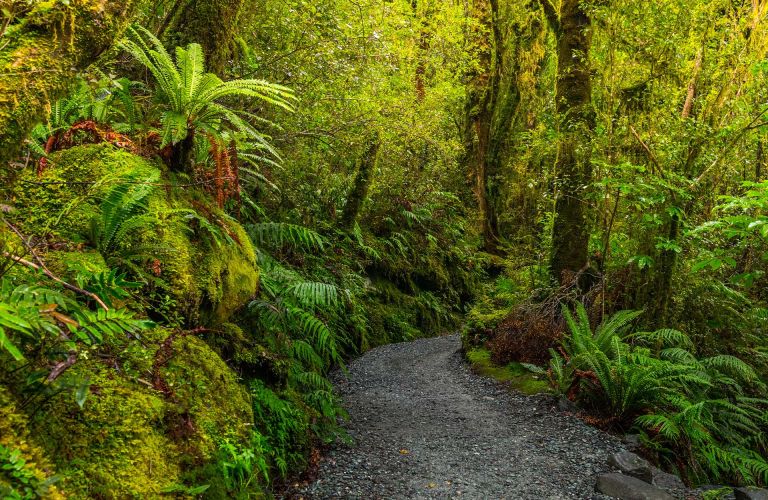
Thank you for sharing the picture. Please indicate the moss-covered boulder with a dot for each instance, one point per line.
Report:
(62, 202)
(116, 446)
(131, 439)
(208, 403)
(193, 254)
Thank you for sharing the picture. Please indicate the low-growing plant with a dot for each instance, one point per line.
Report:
(700, 415)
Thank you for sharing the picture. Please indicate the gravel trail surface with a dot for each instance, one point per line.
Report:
(424, 426)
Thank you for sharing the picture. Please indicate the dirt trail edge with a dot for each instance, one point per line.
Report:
(424, 426)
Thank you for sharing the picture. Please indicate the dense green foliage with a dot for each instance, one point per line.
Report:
(703, 415)
(208, 207)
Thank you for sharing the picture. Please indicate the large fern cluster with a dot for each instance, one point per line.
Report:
(192, 99)
(699, 415)
(302, 319)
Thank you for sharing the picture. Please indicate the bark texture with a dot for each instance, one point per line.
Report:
(211, 23)
(483, 93)
(577, 121)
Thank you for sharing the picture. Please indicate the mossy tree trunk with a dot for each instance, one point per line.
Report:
(362, 182)
(514, 67)
(482, 96)
(43, 52)
(573, 168)
(211, 23)
(423, 48)
(493, 108)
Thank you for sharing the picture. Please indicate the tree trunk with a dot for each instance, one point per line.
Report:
(211, 23)
(573, 169)
(362, 182)
(483, 90)
(42, 54)
(423, 47)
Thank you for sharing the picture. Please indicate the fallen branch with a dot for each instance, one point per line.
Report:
(62, 366)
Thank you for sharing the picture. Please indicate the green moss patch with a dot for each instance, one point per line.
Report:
(513, 374)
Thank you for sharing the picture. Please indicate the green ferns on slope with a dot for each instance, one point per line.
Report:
(702, 416)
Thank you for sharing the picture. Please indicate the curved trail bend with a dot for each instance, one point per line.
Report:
(424, 426)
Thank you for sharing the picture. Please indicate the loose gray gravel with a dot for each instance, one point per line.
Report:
(425, 426)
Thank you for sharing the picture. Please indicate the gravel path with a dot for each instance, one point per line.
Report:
(424, 426)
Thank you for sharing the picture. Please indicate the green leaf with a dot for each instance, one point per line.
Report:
(81, 394)
(6, 344)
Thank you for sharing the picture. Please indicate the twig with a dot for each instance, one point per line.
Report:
(58, 280)
(41, 266)
(62, 366)
(729, 146)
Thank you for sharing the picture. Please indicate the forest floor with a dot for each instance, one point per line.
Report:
(424, 426)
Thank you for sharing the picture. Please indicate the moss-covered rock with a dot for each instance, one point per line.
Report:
(208, 402)
(230, 278)
(207, 277)
(43, 52)
(68, 264)
(15, 437)
(515, 375)
(116, 446)
(132, 441)
(65, 198)
(160, 406)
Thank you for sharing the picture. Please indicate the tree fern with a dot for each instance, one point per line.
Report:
(191, 99)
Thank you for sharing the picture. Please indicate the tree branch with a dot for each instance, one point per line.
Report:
(55, 278)
(648, 151)
(551, 14)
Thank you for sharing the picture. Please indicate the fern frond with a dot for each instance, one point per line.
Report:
(278, 234)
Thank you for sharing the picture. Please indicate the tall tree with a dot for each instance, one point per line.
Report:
(485, 40)
(362, 182)
(573, 95)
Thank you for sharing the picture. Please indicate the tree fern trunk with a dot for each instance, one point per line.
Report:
(181, 153)
(43, 52)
